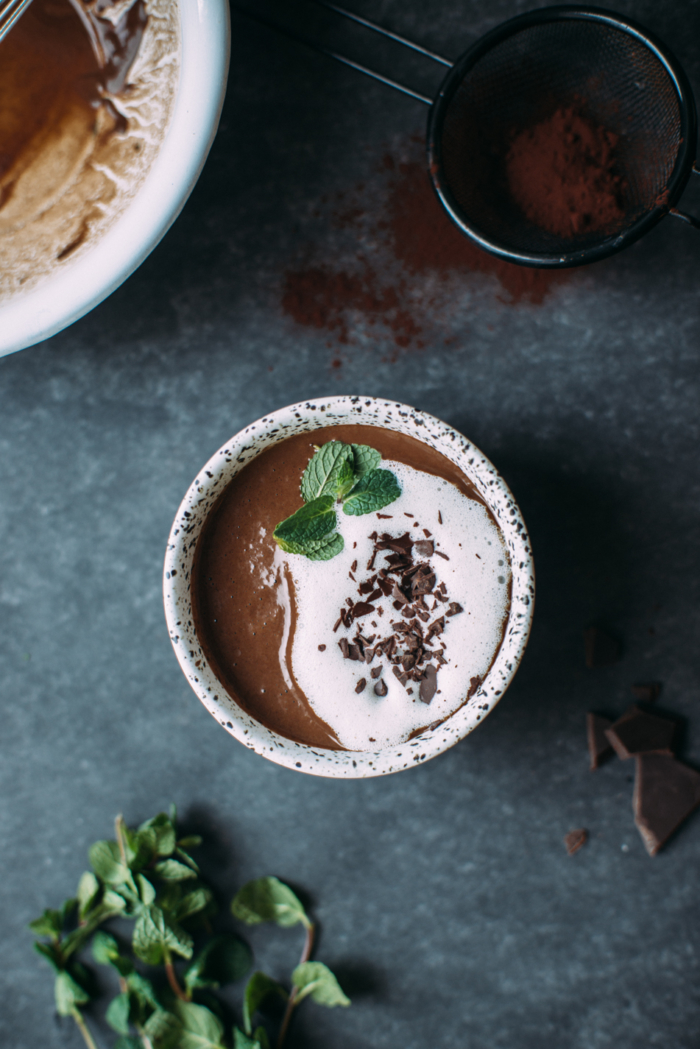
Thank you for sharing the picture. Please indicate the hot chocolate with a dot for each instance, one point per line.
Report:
(86, 92)
(363, 651)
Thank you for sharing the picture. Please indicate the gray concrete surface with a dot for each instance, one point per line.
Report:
(448, 904)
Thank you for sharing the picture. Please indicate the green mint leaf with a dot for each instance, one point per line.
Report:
(106, 862)
(185, 858)
(376, 489)
(225, 959)
(50, 924)
(364, 459)
(307, 525)
(154, 933)
(104, 948)
(165, 837)
(52, 953)
(315, 980)
(88, 890)
(345, 480)
(261, 1038)
(192, 903)
(325, 548)
(192, 841)
(321, 475)
(172, 870)
(69, 994)
(268, 900)
(118, 1013)
(259, 986)
(142, 990)
(146, 890)
(242, 1041)
(163, 1030)
(200, 1028)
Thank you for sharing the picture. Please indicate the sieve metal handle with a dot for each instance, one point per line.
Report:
(683, 215)
(293, 35)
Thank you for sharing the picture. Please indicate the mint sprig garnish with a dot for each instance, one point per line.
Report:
(348, 474)
(151, 873)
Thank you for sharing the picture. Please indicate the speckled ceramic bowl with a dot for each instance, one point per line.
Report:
(203, 494)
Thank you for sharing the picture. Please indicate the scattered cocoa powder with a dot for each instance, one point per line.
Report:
(383, 288)
(562, 175)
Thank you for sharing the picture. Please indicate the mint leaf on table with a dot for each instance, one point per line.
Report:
(88, 889)
(69, 994)
(119, 1012)
(309, 524)
(268, 900)
(364, 459)
(374, 490)
(321, 475)
(315, 980)
(154, 934)
(172, 870)
(259, 987)
(163, 1030)
(200, 1028)
(225, 959)
(50, 924)
(107, 864)
(258, 1041)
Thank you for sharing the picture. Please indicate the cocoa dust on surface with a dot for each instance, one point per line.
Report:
(394, 272)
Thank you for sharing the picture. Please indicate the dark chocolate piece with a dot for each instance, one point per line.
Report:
(439, 517)
(424, 548)
(638, 732)
(443, 556)
(423, 580)
(381, 688)
(376, 671)
(385, 517)
(360, 686)
(344, 647)
(353, 566)
(362, 608)
(454, 608)
(648, 692)
(601, 649)
(474, 683)
(355, 652)
(575, 840)
(426, 533)
(665, 794)
(403, 678)
(428, 685)
(599, 746)
(322, 648)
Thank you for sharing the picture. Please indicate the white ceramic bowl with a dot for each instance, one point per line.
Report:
(85, 281)
(204, 493)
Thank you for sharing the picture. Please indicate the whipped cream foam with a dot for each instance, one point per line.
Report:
(477, 576)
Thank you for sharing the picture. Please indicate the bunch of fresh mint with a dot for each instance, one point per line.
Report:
(337, 472)
(148, 876)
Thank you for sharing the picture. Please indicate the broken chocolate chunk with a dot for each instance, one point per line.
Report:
(402, 545)
(399, 597)
(344, 647)
(362, 608)
(454, 608)
(575, 840)
(599, 746)
(385, 517)
(355, 652)
(381, 688)
(360, 686)
(423, 580)
(322, 648)
(601, 649)
(474, 683)
(638, 732)
(424, 548)
(428, 685)
(665, 794)
(647, 693)
(443, 556)
(403, 678)
(376, 672)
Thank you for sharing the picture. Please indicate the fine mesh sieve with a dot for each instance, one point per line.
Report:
(611, 70)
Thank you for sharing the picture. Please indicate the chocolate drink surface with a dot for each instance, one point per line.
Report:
(270, 625)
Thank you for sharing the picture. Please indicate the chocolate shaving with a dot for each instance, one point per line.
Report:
(344, 647)
(381, 688)
(428, 685)
(473, 686)
(360, 686)
(338, 622)
(375, 595)
(426, 533)
(439, 517)
(454, 608)
(575, 840)
(353, 566)
(424, 548)
(385, 517)
(362, 608)
(376, 672)
(403, 678)
(322, 648)
(444, 556)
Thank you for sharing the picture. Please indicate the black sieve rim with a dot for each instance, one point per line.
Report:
(677, 181)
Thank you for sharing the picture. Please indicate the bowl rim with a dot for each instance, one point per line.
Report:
(202, 496)
(87, 279)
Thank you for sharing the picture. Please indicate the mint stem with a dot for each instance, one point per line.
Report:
(78, 1017)
(119, 832)
(172, 979)
(291, 1001)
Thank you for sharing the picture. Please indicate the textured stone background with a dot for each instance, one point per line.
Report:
(448, 904)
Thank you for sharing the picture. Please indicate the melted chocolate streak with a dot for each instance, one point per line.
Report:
(115, 44)
(242, 593)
